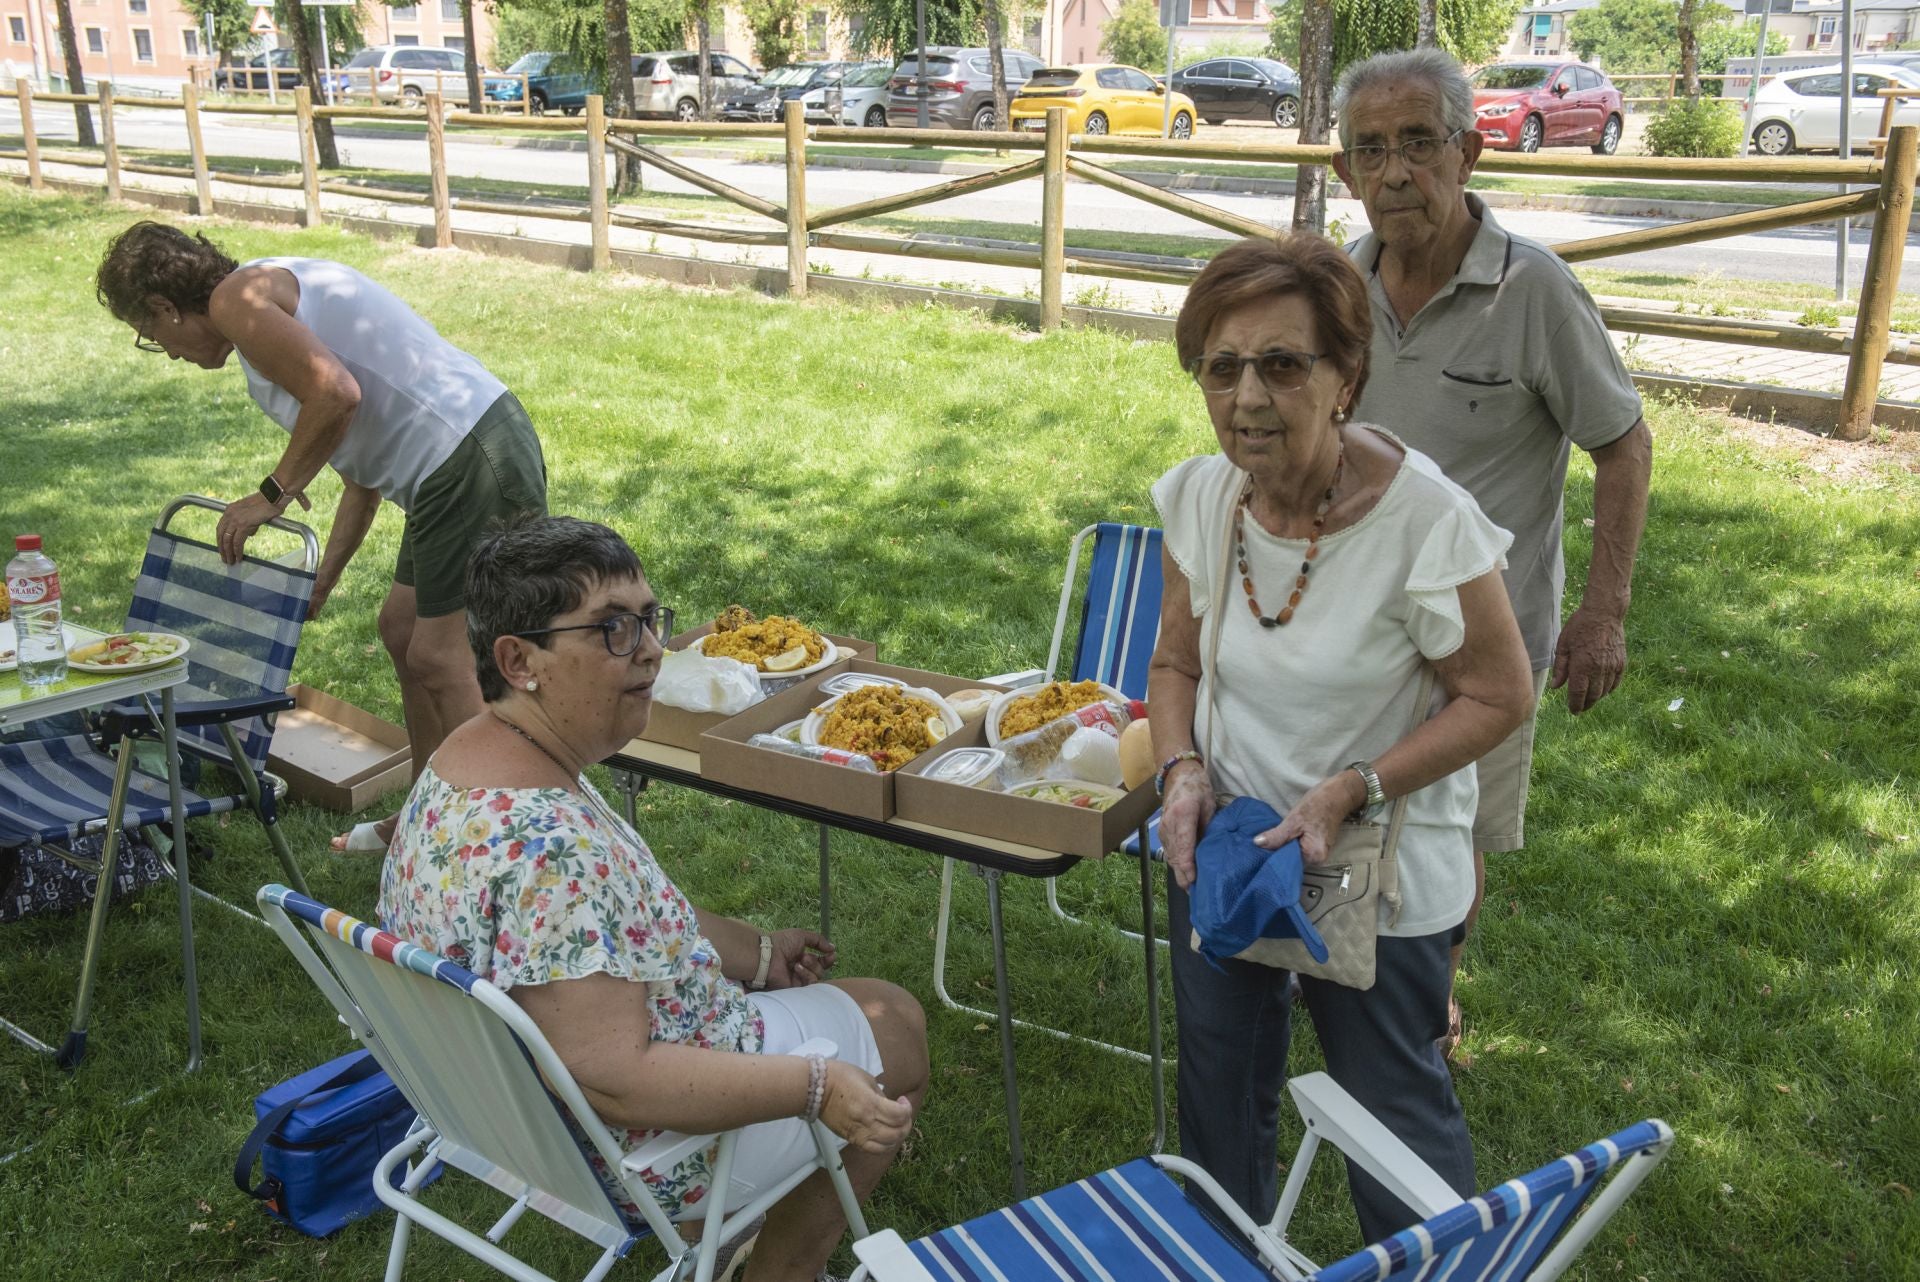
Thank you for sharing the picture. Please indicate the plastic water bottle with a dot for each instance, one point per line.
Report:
(33, 592)
(815, 752)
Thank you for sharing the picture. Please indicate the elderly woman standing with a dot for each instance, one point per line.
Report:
(1290, 674)
(507, 861)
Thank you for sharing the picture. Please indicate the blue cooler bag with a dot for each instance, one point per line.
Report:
(318, 1139)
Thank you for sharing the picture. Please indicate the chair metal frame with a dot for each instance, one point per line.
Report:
(339, 953)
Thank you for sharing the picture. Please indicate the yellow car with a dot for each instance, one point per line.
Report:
(1102, 98)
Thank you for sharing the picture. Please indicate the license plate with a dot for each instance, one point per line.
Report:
(1031, 124)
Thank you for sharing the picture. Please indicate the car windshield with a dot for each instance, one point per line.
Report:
(529, 64)
(1277, 70)
(787, 77)
(1510, 77)
(1054, 78)
(365, 58)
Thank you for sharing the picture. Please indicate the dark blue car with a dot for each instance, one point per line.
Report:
(554, 81)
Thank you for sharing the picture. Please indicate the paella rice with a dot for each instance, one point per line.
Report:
(884, 722)
(737, 634)
(1051, 701)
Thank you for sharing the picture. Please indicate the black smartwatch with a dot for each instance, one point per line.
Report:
(271, 491)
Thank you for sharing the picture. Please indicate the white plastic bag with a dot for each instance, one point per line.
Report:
(691, 680)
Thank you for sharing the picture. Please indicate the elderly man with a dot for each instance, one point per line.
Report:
(1491, 358)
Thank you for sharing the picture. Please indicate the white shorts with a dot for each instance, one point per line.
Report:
(769, 1152)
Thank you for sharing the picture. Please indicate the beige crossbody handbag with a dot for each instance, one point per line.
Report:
(1341, 896)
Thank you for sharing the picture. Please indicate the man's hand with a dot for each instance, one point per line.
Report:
(323, 585)
(240, 520)
(1185, 810)
(800, 958)
(1590, 659)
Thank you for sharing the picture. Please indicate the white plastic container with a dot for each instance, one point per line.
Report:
(967, 767)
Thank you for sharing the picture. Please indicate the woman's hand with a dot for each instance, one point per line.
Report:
(856, 1109)
(800, 957)
(1185, 810)
(1316, 820)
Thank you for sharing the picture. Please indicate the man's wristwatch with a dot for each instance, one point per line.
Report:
(271, 490)
(1376, 797)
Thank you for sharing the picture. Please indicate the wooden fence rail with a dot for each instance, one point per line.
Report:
(800, 228)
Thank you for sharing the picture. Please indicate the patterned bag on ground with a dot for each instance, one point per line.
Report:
(37, 882)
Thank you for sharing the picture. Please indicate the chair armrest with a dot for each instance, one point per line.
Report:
(1345, 1123)
(131, 718)
(669, 1147)
(884, 1257)
(1024, 677)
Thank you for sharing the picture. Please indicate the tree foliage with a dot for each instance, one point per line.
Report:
(1726, 40)
(232, 24)
(579, 27)
(1133, 35)
(888, 30)
(1470, 30)
(779, 29)
(1630, 37)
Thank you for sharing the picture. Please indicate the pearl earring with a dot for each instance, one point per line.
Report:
(532, 686)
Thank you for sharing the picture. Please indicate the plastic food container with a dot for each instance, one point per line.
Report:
(1068, 792)
(998, 707)
(967, 767)
(811, 725)
(834, 687)
(791, 731)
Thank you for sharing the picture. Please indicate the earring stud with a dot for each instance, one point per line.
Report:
(533, 685)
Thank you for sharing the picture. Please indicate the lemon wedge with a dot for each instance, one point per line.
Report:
(788, 660)
(936, 728)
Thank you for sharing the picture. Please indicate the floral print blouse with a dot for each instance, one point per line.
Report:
(535, 885)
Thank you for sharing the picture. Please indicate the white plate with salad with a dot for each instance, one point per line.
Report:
(128, 652)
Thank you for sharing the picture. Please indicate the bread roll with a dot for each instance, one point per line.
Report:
(1136, 754)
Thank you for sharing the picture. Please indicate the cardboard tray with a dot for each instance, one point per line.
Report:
(984, 812)
(726, 758)
(335, 755)
(680, 728)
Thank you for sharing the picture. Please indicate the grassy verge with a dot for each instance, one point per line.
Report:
(1714, 922)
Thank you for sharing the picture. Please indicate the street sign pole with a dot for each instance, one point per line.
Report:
(1844, 229)
(1759, 66)
(1174, 14)
(920, 36)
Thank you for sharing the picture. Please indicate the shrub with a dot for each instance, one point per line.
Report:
(1704, 128)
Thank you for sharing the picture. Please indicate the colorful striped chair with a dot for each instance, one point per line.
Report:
(1134, 1222)
(496, 1103)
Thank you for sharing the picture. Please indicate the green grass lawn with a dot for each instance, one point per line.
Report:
(1714, 923)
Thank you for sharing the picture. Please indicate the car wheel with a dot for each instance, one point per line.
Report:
(414, 95)
(687, 110)
(1530, 134)
(876, 118)
(1609, 138)
(984, 119)
(1214, 120)
(1097, 123)
(569, 111)
(1182, 125)
(1773, 138)
(539, 101)
(1286, 113)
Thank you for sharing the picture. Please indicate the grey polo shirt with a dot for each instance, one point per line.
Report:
(1494, 379)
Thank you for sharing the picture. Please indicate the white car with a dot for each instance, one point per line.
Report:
(393, 73)
(858, 98)
(1800, 111)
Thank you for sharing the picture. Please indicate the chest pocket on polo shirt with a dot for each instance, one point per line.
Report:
(1484, 394)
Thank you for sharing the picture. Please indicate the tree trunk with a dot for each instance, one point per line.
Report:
(310, 75)
(626, 169)
(76, 76)
(997, 58)
(1316, 110)
(476, 101)
(1429, 33)
(1689, 50)
(704, 27)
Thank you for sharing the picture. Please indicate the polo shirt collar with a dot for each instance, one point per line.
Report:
(1487, 257)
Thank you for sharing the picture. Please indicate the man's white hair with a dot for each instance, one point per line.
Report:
(1435, 66)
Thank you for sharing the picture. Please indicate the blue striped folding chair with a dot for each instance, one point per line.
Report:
(243, 622)
(1135, 1222)
(497, 1104)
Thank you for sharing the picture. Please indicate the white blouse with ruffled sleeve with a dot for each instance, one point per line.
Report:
(1337, 684)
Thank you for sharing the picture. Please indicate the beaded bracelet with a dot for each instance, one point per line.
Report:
(816, 1087)
(1160, 779)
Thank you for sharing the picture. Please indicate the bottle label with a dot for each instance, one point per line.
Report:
(34, 589)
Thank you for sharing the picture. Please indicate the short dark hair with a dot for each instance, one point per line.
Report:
(531, 573)
(151, 258)
(1259, 270)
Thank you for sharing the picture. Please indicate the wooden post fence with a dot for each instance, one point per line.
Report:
(309, 155)
(1053, 219)
(24, 90)
(109, 144)
(202, 180)
(597, 181)
(1872, 322)
(796, 200)
(437, 168)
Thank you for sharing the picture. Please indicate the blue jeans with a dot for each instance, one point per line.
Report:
(1235, 1026)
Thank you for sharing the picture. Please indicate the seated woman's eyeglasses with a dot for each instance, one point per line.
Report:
(621, 632)
(146, 344)
(1418, 153)
(1281, 370)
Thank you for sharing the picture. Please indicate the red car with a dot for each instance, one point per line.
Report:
(1524, 106)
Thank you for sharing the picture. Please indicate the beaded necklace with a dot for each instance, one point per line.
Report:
(1313, 547)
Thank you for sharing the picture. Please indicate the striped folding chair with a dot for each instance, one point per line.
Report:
(244, 623)
(497, 1104)
(1135, 1222)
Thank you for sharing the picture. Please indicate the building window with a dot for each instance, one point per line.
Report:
(96, 40)
(136, 6)
(454, 42)
(1826, 29)
(142, 45)
(449, 10)
(817, 30)
(16, 28)
(406, 13)
(406, 40)
(190, 41)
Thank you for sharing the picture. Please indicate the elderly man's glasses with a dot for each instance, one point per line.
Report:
(1281, 370)
(621, 632)
(1418, 153)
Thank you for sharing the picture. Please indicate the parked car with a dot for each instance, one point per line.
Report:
(555, 82)
(395, 73)
(1242, 89)
(251, 73)
(959, 87)
(1524, 106)
(764, 100)
(858, 98)
(668, 84)
(1801, 110)
(1103, 98)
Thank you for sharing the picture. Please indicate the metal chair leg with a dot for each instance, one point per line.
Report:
(74, 1048)
(826, 886)
(190, 972)
(251, 784)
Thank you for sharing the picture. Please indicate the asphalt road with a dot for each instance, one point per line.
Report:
(1802, 255)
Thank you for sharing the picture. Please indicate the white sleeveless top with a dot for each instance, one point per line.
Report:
(419, 394)
(1337, 684)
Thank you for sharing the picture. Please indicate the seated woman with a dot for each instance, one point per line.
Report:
(507, 861)
(1315, 569)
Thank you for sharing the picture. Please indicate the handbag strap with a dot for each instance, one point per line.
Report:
(268, 1190)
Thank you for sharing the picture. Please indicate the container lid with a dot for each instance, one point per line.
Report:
(841, 684)
(26, 542)
(1069, 792)
(965, 766)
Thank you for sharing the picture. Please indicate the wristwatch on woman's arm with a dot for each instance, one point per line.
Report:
(759, 980)
(1376, 797)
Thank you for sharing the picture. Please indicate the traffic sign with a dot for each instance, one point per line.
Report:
(1176, 13)
(262, 20)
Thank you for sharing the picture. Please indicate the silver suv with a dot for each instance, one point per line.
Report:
(959, 87)
(391, 73)
(668, 84)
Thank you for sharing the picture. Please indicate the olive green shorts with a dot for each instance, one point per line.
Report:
(493, 476)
